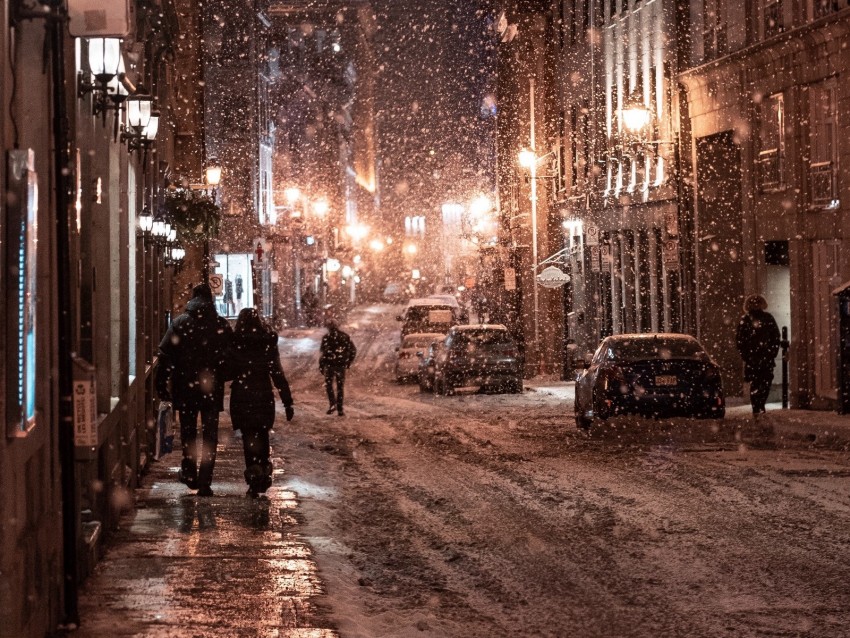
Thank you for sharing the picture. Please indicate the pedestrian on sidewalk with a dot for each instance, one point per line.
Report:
(757, 339)
(190, 374)
(337, 353)
(254, 365)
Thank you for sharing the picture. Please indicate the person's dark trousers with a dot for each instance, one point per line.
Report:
(258, 468)
(189, 428)
(760, 388)
(335, 373)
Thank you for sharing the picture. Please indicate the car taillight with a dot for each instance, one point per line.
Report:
(613, 377)
(711, 374)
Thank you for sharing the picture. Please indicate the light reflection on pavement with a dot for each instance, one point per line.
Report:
(226, 565)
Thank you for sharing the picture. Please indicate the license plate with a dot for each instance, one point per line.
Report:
(666, 379)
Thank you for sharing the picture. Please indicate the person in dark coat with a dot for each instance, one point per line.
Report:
(337, 353)
(190, 374)
(254, 365)
(758, 340)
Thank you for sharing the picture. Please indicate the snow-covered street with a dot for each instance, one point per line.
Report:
(484, 515)
(492, 515)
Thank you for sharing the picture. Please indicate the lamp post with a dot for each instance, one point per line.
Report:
(212, 178)
(636, 119)
(528, 160)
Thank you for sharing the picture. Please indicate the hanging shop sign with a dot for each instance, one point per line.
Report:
(552, 277)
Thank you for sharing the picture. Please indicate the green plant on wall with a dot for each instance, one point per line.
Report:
(194, 213)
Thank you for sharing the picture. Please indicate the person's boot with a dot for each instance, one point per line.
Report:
(188, 474)
(331, 409)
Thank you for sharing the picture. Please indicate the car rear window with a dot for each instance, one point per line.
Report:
(482, 338)
(419, 341)
(429, 314)
(643, 349)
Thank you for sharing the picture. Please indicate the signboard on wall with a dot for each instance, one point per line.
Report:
(670, 254)
(84, 404)
(510, 279)
(99, 18)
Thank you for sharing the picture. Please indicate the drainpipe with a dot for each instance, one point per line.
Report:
(65, 427)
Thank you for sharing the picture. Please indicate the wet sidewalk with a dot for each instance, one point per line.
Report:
(226, 565)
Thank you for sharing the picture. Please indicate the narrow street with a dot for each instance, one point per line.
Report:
(492, 515)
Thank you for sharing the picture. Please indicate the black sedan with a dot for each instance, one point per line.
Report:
(482, 355)
(651, 375)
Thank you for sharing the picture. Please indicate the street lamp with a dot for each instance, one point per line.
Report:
(321, 207)
(635, 117)
(528, 160)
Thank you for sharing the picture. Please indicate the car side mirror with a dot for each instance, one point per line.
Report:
(399, 318)
(420, 355)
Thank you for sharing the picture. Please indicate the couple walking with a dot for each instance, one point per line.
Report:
(197, 355)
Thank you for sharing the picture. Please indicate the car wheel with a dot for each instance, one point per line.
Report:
(600, 410)
(438, 386)
(515, 386)
(582, 422)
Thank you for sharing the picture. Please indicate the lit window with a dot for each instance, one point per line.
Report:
(771, 139)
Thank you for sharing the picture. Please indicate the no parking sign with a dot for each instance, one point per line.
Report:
(216, 284)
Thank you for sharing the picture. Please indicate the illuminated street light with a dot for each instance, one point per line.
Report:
(635, 117)
(213, 172)
(357, 232)
(321, 207)
(292, 194)
(377, 245)
(480, 206)
(411, 249)
(527, 159)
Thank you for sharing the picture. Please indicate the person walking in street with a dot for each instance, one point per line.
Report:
(337, 353)
(254, 365)
(757, 339)
(190, 374)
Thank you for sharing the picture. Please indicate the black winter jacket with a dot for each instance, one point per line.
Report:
(254, 365)
(757, 339)
(337, 350)
(191, 357)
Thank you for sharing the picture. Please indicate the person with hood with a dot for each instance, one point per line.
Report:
(254, 365)
(337, 353)
(190, 374)
(757, 339)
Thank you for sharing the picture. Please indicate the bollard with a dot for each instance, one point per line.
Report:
(784, 344)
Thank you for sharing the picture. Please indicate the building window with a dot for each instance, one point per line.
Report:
(22, 237)
(771, 143)
(772, 23)
(713, 29)
(823, 158)
(414, 226)
(821, 8)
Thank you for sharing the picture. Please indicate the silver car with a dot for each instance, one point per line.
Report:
(412, 346)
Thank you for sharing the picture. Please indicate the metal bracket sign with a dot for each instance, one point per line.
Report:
(670, 254)
(510, 279)
(591, 235)
(552, 277)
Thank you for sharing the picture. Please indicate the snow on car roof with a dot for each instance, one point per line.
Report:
(480, 326)
(429, 301)
(425, 335)
(651, 335)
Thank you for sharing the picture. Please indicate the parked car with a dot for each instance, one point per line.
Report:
(483, 355)
(651, 375)
(428, 315)
(427, 361)
(395, 292)
(412, 346)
